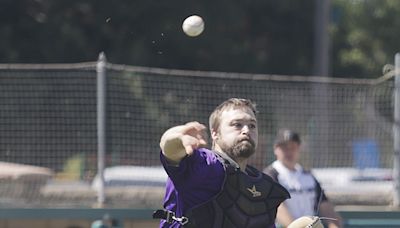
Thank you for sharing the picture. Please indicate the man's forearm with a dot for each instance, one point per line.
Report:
(173, 150)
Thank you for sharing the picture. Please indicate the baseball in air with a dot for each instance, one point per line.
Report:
(193, 25)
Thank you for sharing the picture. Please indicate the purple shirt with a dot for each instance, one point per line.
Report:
(195, 180)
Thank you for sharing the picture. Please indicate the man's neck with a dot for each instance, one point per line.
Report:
(242, 162)
(289, 165)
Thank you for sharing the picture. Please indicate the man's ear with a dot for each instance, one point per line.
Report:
(276, 148)
(214, 134)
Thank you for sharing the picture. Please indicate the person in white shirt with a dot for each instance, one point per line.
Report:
(307, 196)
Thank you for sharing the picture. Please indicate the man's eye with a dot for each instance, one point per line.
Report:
(237, 125)
(252, 126)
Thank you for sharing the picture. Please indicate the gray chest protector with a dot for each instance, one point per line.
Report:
(245, 201)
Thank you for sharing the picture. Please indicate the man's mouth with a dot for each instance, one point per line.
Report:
(247, 140)
(244, 139)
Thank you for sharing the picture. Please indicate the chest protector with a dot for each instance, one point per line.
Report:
(243, 202)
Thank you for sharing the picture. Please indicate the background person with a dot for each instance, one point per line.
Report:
(307, 196)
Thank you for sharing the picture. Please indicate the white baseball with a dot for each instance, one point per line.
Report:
(193, 25)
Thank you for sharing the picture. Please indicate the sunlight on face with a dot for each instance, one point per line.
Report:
(238, 134)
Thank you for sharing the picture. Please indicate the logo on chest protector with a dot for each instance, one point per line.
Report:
(254, 191)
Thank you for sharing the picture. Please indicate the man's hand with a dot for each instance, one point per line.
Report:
(179, 141)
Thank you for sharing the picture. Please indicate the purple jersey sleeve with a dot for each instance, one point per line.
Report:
(196, 179)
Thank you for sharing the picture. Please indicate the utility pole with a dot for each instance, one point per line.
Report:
(321, 37)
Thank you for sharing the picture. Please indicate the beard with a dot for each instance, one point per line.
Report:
(242, 148)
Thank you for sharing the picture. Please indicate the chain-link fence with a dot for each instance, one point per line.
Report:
(49, 128)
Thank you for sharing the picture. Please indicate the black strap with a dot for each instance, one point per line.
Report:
(164, 214)
(169, 216)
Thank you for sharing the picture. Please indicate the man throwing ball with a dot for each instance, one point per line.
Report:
(217, 188)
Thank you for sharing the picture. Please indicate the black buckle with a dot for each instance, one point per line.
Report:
(164, 214)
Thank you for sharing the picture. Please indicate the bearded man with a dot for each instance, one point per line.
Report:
(217, 188)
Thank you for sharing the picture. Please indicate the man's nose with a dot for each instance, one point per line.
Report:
(245, 129)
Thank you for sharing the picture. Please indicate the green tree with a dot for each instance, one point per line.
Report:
(258, 36)
(245, 36)
(365, 36)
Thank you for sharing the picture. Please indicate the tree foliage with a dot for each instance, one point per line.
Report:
(245, 36)
(258, 36)
(365, 36)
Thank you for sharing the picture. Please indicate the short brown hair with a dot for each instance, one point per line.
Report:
(232, 103)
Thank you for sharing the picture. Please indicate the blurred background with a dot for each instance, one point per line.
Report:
(355, 38)
(324, 68)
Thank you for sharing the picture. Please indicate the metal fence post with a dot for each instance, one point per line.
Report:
(396, 133)
(101, 125)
